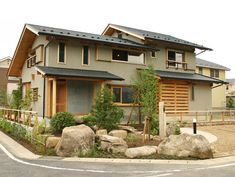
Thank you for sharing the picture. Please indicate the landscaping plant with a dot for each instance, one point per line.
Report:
(145, 89)
(106, 114)
(230, 102)
(61, 120)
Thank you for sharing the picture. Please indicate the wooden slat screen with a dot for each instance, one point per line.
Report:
(175, 95)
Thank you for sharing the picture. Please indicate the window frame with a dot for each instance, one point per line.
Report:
(200, 70)
(88, 57)
(214, 73)
(119, 60)
(121, 95)
(58, 53)
(155, 54)
(35, 94)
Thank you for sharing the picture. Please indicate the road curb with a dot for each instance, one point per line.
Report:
(21, 152)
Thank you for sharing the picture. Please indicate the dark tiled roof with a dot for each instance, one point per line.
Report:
(208, 64)
(64, 72)
(187, 76)
(230, 80)
(86, 36)
(159, 36)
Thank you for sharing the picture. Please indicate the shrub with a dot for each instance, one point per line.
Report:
(107, 115)
(89, 120)
(61, 120)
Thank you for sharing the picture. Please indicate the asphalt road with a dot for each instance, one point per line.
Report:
(11, 166)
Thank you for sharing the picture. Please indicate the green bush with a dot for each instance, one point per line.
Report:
(89, 120)
(107, 115)
(61, 120)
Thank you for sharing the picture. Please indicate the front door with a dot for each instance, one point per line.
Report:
(61, 96)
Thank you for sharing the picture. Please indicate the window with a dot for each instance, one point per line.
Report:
(120, 35)
(122, 95)
(85, 56)
(192, 93)
(153, 54)
(200, 70)
(61, 53)
(120, 55)
(214, 73)
(175, 59)
(35, 94)
(31, 61)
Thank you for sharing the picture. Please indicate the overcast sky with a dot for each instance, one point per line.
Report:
(207, 22)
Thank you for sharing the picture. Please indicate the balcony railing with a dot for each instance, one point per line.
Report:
(176, 64)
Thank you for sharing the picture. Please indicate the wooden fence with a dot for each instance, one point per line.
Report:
(20, 116)
(201, 116)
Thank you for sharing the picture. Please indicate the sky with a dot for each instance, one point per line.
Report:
(206, 22)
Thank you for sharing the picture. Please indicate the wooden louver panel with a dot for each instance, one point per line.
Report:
(175, 95)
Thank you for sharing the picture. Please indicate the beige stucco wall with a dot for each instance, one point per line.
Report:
(218, 93)
(203, 96)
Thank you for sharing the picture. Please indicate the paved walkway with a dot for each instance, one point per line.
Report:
(210, 137)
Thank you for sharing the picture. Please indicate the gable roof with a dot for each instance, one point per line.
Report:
(87, 36)
(143, 34)
(230, 80)
(6, 58)
(30, 32)
(209, 64)
(81, 73)
(187, 76)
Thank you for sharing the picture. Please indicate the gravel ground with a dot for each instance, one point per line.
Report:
(225, 145)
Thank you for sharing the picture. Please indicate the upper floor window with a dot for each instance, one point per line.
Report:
(176, 59)
(61, 52)
(214, 73)
(153, 54)
(120, 55)
(135, 57)
(200, 70)
(85, 56)
(122, 94)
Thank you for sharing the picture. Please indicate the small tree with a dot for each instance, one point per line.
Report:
(4, 98)
(16, 98)
(106, 114)
(25, 103)
(230, 102)
(146, 91)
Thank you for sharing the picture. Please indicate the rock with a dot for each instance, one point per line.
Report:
(101, 132)
(119, 133)
(141, 151)
(79, 120)
(172, 128)
(112, 144)
(79, 138)
(52, 141)
(129, 129)
(186, 145)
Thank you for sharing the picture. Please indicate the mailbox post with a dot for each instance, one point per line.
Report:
(194, 126)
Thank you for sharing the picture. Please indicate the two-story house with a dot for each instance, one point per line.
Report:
(64, 68)
(217, 71)
(7, 83)
(230, 89)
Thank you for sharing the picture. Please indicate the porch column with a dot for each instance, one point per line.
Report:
(54, 97)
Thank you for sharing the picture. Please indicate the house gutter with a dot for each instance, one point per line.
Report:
(44, 80)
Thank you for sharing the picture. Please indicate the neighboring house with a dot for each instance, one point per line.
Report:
(7, 83)
(64, 68)
(216, 71)
(230, 89)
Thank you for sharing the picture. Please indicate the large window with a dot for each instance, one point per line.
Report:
(176, 59)
(61, 53)
(122, 95)
(85, 59)
(214, 73)
(120, 55)
(134, 57)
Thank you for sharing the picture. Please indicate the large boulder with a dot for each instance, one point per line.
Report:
(186, 145)
(101, 132)
(141, 151)
(118, 133)
(79, 138)
(129, 129)
(52, 141)
(112, 144)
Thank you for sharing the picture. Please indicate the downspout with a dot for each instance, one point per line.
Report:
(44, 80)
